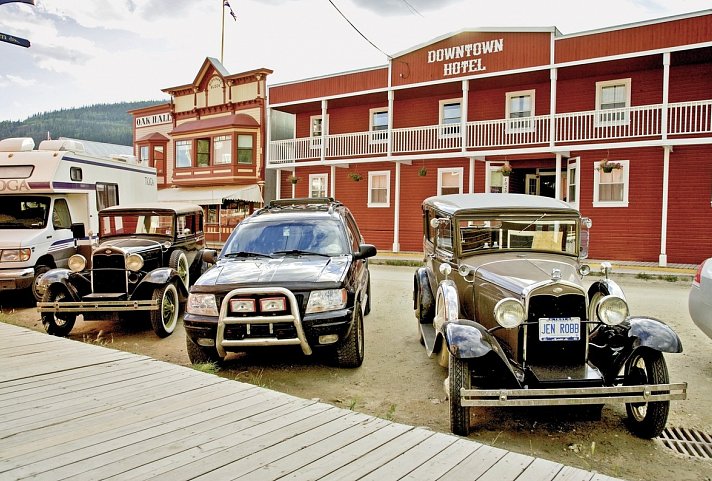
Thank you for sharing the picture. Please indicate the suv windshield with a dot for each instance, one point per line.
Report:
(304, 236)
(136, 223)
(537, 233)
(24, 212)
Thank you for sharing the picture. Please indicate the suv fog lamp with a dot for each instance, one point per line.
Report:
(77, 263)
(242, 305)
(273, 304)
(202, 305)
(509, 312)
(16, 255)
(326, 300)
(207, 342)
(612, 310)
(328, 339)
(134, 262)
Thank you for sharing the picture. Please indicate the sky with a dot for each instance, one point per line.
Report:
(86, 52)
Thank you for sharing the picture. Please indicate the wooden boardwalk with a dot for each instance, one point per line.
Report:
(81, 411)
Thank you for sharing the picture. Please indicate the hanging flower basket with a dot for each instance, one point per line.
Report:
(607, 166)
(422, 171)
(355, 176)
(506, 169)
(293, 179)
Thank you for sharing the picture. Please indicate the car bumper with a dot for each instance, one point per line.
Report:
(12, 279)
(306, 332)
(700, 309)
(573, 396)
(97, 306)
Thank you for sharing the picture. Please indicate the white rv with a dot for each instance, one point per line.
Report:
(49, 199)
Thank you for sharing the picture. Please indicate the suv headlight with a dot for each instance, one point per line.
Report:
(134, 262)
(77, 263)
(326, 300)
(509, 312)
(16, 255)
(202, 305)
(612, 310)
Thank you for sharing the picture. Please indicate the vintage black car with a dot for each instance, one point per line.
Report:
(293, 273)
(501, 303)
(144, 262)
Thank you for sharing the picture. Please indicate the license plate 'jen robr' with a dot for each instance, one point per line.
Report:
(560, 329)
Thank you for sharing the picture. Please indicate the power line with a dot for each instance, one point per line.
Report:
(359, 31)
(411, 7)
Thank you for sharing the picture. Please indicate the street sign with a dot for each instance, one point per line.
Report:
(22, 42)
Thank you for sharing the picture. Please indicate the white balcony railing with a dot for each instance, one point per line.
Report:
(684, 118)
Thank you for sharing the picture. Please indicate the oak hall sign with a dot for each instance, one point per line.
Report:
(153, 120)
(465, 58)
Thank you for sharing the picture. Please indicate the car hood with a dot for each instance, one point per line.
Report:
(132, 244)
(280, 270)
(516, 274)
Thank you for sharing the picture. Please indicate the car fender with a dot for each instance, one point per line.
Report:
(421, 289)
(58, 274)
(159, 277)
(605, 287)
(653, 333)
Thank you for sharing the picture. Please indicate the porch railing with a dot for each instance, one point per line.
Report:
(683, 118)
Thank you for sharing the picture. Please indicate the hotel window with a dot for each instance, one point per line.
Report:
(202, 153)
(378, 125)
(184, 153)
(245, 150)
(497, 182)
(450, 181)
(520, 111)
(143, 155)
(379, 189)
(316, 126)
(222, 148)
(450, 117)
(317, 185)
(610, 189)
(612, 102)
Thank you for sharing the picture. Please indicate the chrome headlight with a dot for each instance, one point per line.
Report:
(16, 255)
(509, 312)
(612, 310)
(77, 263)
(326, 300)
(134, 262)
(202, 305)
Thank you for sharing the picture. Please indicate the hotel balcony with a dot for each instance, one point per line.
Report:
(680, 123)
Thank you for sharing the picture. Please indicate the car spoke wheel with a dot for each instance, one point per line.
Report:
(58, 323)
(351, 350)
(202, 354)
(179, 262)
(646, 366)
(39, 271)
(459, 377)
(165, 318)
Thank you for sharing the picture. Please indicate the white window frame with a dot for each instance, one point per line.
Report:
(315, 141)
(378, 173)
(492, 167)
(324, 178)
(573, 180)
(597, 182)
(520, 124)
(453, 170)
(444, 129)
(599, 120)
(377, 136)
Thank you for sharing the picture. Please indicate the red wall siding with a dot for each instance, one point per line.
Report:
(337, 84)
(691, 82)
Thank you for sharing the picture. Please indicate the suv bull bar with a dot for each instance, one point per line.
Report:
(642, 393)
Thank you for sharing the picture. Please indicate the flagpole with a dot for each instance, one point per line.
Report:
(222, 30)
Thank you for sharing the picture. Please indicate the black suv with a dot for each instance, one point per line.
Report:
(293, 273)
(144, 262)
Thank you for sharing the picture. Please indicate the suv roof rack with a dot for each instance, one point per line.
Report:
(302, 201)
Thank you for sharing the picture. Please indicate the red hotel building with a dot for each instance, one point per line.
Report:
(447, 116)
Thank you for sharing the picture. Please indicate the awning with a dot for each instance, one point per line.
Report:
(210, 195)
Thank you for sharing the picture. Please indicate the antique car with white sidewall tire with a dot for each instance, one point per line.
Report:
(501, 303)
(146, 259)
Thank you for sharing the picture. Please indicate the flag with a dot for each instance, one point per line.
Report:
(227, 4)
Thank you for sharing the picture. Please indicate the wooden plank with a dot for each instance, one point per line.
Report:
(569, 473)
(444, 461)
(508, 468)
(476, 464)
(542, 469)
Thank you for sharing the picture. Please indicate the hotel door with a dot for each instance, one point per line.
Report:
(543, 184)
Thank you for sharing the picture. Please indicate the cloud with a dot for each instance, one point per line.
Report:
(15, 81)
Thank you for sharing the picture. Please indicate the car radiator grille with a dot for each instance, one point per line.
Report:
(555, 352)
(108, 273)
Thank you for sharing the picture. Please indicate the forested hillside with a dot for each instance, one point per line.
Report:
(101, 123)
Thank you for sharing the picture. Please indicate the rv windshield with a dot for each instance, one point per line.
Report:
(24, 212)
(136, 223)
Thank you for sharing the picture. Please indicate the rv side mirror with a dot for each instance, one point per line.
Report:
(78, 231)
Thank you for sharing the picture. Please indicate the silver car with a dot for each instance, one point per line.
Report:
(700, 300)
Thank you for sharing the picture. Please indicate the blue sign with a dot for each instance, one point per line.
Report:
(22, 42)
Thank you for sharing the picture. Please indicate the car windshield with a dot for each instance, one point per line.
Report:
(144, 223)
(299, 237)
(24, 212)
(536, 233)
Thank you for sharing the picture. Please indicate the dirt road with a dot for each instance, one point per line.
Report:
(397, 381)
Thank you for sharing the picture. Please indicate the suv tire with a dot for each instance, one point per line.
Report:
(202, 354)
(350, 352)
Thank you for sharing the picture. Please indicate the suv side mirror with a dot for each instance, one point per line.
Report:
(365, 251)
